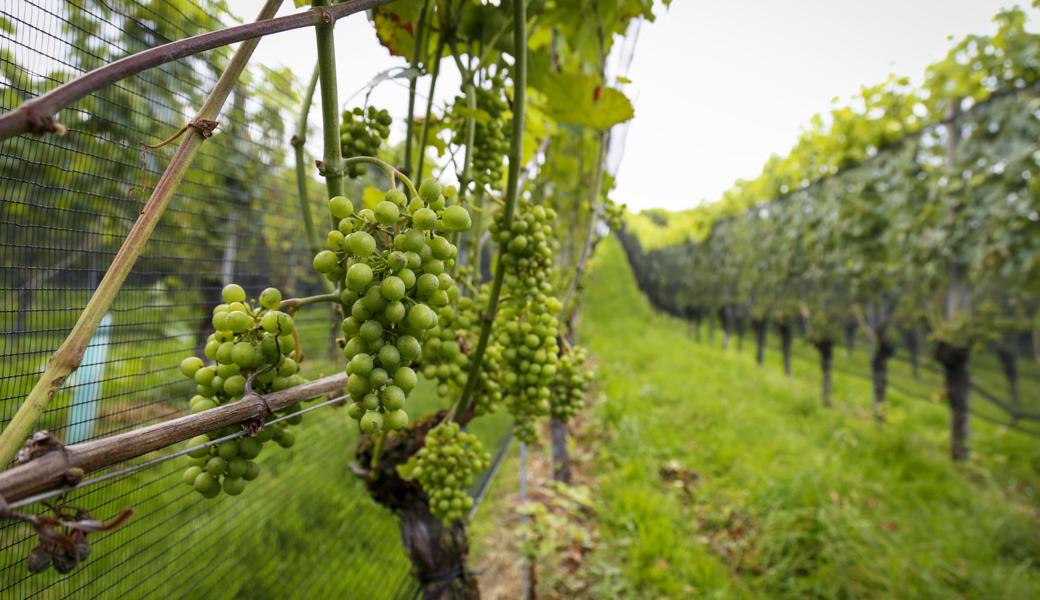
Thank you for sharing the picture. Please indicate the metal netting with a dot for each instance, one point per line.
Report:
(306, 528)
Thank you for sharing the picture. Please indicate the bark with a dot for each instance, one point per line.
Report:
(850, 336)
(724, 319)
(955, 361)
(1006, 356)
(786, 337)
(560, 457)
(759, 327)
(883, 350)
(826, 349)
(438, 552)
(739, 325)
(913, 347)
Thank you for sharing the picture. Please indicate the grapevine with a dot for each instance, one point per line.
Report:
(528, 326)
(249, 349)
(361, 133)
(491, 139)
(572, 383)
(446, 354)
(394, 274)
(614, 214)
(445, 467)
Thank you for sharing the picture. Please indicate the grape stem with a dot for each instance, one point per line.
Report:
(424, 132)
(516, 147)
(332, 163)
(377, 452)
(391, 172)
(298, 140)
(68, 356)
(420, 30)
(293, 304)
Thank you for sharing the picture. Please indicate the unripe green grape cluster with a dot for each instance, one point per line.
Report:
(392, 267)
(445, 467)
(361, 133)
(446, 354)
(251, 339)
(573, 378)
(491, 135)
(528, 327)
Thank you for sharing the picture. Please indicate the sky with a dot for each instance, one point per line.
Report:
(718, 85)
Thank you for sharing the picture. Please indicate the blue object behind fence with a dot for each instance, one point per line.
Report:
(88, 385)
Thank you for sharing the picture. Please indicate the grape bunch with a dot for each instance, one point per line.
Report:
(491, 135)
(572, 383)
(446, 353)
(361, 132)
(528, 327)
(251, 341)
(392, 268)
(445, 467)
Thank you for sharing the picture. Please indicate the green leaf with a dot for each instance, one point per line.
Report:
(371, 196)
(583, 100)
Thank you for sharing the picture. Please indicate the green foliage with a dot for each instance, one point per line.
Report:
(785, 499)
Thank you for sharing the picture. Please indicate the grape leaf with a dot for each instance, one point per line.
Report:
(579, 99)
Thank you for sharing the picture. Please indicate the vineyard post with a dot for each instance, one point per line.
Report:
(67, 357)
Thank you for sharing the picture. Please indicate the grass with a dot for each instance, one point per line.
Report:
(788, 499)
(305, 528)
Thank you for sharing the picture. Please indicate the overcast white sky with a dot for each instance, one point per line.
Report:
(718, 85)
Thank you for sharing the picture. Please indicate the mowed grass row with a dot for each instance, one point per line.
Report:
(784, 498)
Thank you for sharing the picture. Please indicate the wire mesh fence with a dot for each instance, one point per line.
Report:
(66, 203)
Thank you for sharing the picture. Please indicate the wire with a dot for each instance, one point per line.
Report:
(167, 457)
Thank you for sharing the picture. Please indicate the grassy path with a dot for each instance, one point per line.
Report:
(724, 479)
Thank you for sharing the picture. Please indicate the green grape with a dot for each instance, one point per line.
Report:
(362, 132)
(527, 327)
(252, 341)
(571, 384)
(393, 266)
(491, 136)
(446, 444)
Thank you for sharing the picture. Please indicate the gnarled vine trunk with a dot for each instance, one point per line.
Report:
(438, 551)
(913, 348)
(724, 318)
(786, 337)
(759, 327)
(884, 349)
(826, 349)
(1006, 356)
(956, 361)
(561, 459)
(739, 325)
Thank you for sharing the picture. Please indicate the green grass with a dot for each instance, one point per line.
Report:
(792, 500)
(305, 528)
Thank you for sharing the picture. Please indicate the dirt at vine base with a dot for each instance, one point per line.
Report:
(500, 564)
